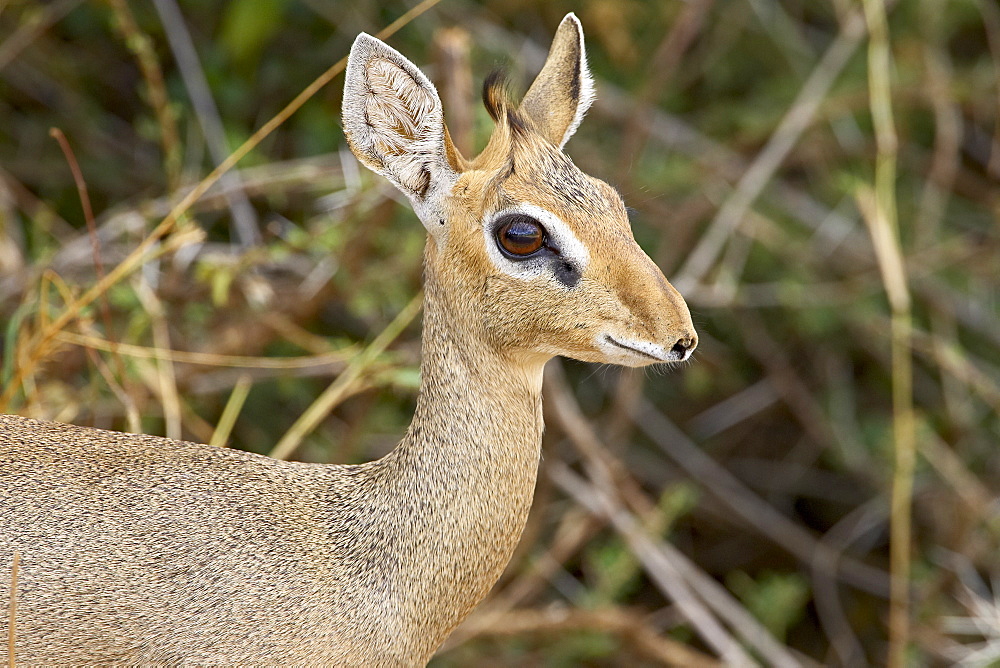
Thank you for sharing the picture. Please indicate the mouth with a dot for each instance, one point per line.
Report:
(650, 351)
(624, 346)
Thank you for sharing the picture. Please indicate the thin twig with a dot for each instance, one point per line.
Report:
(139, 255)
(181, 45)
(105, 306)
(744, 503)
(865, 519)
(785, 379)
(141, 47)
(947, 126)
(165, 377)
(556, 622)
(661, 68)
(608, 476)
(454, 79)
(991, 22)
(125, 398)
(880, 214)
(343, 385)
(800, 114)
(330, 359)
(232, 410)
(662, 570)
(88, 217)
(970, 490)
(47, 16)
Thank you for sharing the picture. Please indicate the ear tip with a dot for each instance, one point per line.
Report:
(573, 19)
(570, 28)
(364, 40)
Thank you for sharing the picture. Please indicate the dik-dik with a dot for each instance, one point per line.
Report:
(137, 549)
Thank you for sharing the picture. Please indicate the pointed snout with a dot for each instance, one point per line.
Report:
(679, 327)
(679, 322)
(659, 326)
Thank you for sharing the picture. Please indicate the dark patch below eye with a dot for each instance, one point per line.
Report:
(565, 272)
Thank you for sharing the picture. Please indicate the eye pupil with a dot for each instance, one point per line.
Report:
(520, 235)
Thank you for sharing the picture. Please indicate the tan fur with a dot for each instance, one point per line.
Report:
(137, 549)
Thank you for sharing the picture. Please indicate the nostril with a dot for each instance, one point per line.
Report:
(685, 345)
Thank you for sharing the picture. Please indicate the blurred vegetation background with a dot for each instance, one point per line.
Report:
(737, 509)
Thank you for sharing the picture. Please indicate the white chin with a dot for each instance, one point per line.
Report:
(636, 352)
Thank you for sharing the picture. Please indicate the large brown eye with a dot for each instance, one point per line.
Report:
(520, 235)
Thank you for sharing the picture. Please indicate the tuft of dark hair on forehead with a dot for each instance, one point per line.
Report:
(497, 103)
(495, 94)
(517, 123)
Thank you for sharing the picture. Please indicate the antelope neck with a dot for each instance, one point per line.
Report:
(478, 411)
(464, 474)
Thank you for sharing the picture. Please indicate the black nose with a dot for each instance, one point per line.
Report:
(684, 346)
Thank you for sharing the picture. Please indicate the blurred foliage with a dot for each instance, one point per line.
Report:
(776, 599)
(790, 391)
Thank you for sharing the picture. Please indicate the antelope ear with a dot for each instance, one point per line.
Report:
(395, 125)
(564, 89)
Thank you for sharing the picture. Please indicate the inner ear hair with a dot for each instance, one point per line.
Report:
(395, 125)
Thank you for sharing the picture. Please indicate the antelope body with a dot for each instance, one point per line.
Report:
(138, 549)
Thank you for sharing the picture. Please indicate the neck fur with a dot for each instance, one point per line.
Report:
(465, 472)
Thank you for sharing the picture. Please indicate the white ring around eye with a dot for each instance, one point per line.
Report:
(559, 234)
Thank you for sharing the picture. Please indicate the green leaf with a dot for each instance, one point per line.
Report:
(778, 600)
